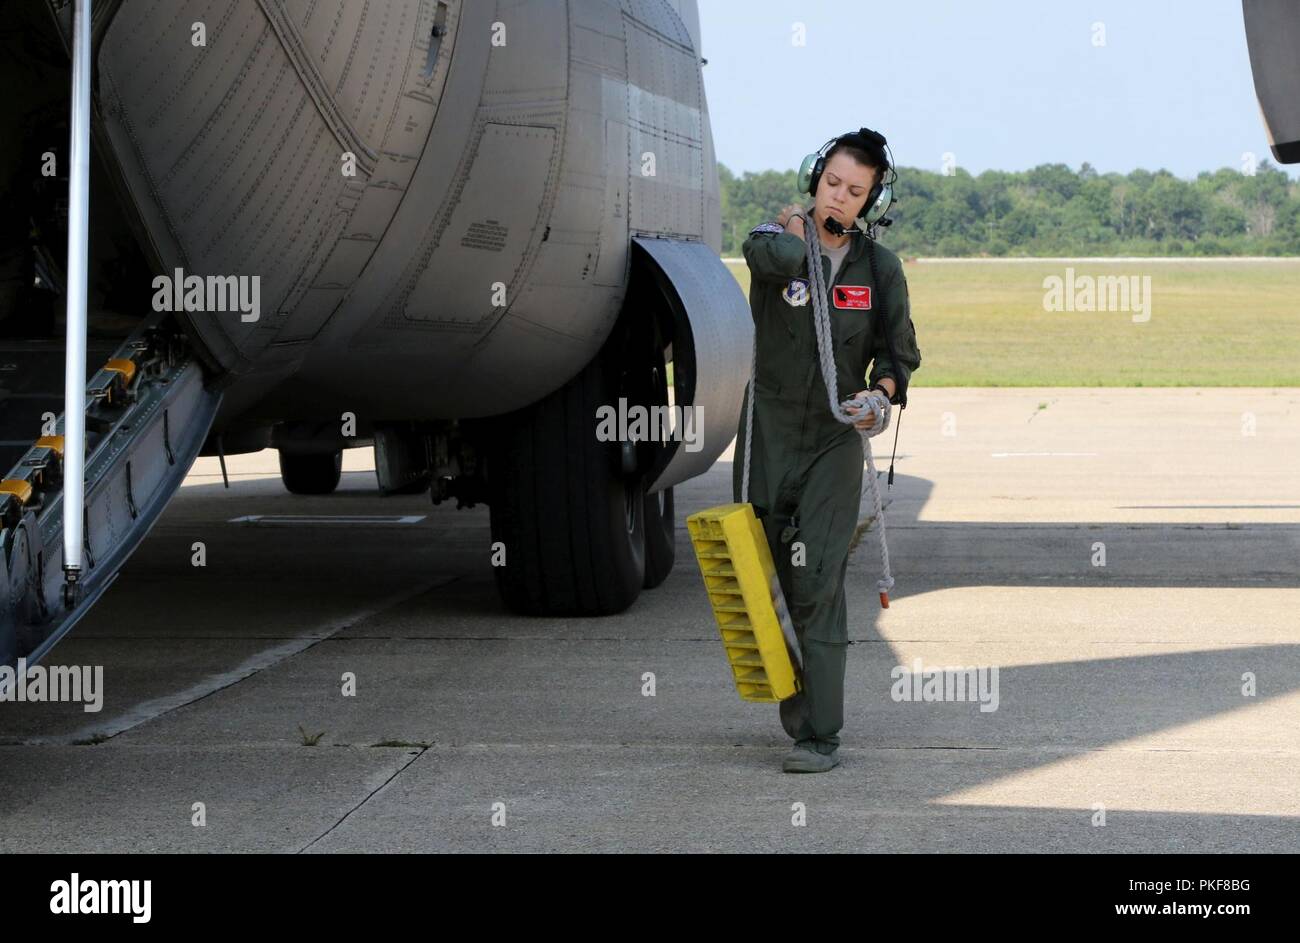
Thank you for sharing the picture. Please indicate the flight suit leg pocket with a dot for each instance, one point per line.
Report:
(813, 581)
(786, 553)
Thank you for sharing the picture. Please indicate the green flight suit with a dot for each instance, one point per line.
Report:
(806, 467)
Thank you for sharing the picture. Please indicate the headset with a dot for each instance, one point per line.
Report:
(881, 197)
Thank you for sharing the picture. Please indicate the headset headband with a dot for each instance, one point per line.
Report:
(868, 140)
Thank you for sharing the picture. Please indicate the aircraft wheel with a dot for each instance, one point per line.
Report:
(570, 517)
(660, 537)
(311, 474)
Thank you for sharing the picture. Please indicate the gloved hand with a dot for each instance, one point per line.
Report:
(874, 406)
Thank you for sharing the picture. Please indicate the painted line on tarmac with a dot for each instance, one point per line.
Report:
(269, 658)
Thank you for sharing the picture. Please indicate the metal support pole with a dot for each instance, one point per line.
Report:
(74, 390)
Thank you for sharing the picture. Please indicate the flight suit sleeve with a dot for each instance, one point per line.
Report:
(898, 312)
(774, 255)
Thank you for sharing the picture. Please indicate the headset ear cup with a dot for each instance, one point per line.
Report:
(817, 170)
(886, 200)
(881, 199)
(865, 218)
(810, 172)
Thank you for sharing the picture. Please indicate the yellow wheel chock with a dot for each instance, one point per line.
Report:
(747, 601)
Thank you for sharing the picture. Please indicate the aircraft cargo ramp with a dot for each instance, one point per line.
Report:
(147, 416)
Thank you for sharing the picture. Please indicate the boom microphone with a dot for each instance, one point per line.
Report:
(833, 226)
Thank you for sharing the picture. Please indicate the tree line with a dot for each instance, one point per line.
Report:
(1053, 210)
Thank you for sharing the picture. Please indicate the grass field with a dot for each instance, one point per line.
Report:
(1211, 323)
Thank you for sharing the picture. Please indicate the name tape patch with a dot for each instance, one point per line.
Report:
(852, 296)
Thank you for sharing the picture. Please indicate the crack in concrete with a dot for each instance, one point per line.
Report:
(374, 792)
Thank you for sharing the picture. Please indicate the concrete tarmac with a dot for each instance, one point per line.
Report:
(1149, 704)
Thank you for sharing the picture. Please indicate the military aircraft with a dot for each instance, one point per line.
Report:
(453, 230)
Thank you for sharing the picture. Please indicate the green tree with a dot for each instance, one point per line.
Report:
(1051, 209)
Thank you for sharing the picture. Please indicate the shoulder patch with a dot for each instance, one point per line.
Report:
(796, 292)
(767, 227)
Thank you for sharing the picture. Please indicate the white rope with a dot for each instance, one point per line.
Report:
(876, 402)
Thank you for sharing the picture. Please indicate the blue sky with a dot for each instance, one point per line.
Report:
(1006, 84)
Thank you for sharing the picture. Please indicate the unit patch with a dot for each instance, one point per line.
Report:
(796, 293)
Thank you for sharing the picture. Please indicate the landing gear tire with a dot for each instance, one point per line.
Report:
(660, 537)
(571, 519)
(311, 474)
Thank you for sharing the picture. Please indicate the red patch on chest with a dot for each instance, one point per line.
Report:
(851, 296)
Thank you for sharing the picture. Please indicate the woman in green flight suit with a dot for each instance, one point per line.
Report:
(805, 465)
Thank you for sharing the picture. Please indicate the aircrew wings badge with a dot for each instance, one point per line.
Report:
(796, 293)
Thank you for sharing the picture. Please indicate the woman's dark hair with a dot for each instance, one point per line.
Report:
(867, 156)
